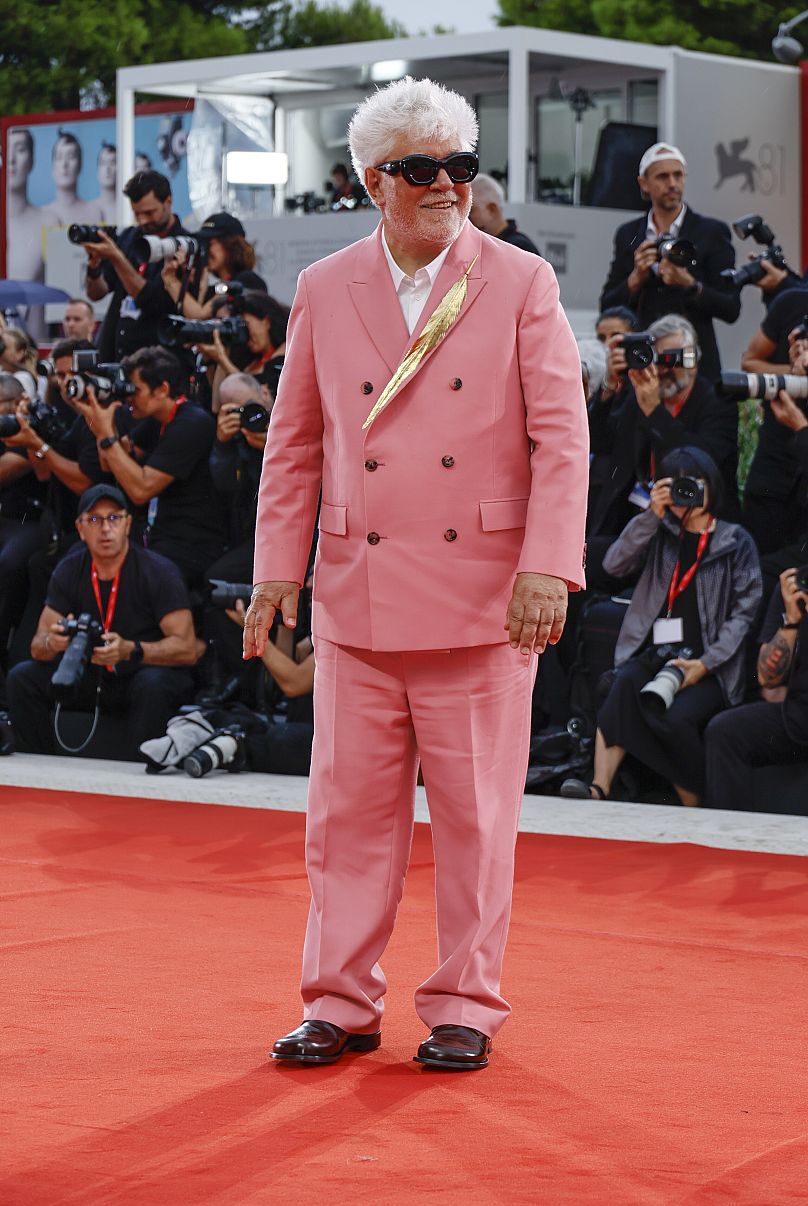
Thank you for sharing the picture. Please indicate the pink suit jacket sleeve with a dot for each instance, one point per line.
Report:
(293, 459)
(550, 371)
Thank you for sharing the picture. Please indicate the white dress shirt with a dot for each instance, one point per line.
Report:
(413, 291)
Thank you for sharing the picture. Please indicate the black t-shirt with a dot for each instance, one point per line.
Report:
(131, 322)
(187, 510)
(23, 498)
(685, 605)
(785, 313)
(150, 587)
(774, 468)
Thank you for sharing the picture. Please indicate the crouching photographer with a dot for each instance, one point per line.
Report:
(680, 654)
(117, 619)
(773, 730)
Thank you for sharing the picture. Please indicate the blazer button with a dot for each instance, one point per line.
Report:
(367, 387)
(373, 537)
(371, 466)
(450, 534)
(447, 461)
(457, 383)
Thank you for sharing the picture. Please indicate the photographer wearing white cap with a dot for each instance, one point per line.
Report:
(671, 260)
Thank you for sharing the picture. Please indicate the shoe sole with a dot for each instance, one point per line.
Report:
(446, 1063)
(359, 1046)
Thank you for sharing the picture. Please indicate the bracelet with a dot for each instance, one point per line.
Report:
(41, 450)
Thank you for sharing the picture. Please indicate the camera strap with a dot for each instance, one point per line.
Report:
(678, 587)
(113, 598)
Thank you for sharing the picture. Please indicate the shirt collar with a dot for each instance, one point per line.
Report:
(651, 231)
(432, 269)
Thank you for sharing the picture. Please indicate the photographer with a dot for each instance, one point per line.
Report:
(21, 530)
(144, 640)
(640, 415)
(167, 467)
(79, 320)
(139, 299)
(774, 504)
(645, 277)
(267, 320)
(773, 730)
(228, 256)
(692, 608)
(617, 320)
(235, 466)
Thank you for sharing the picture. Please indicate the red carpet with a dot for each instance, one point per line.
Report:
(657, 1052)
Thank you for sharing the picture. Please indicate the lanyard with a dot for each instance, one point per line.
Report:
(113, 598)
(178, 402)
(677, 588)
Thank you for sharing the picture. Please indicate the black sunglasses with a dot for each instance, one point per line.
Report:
(461, 168)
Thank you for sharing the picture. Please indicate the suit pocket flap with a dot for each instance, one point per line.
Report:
(498, 513)
(333, 520)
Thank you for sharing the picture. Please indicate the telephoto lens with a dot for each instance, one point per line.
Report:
(79, 232)
(221, 750)
(225, 594)
(660, 692)
(766, 386)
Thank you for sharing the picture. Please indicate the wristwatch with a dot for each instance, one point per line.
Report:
(788, 624)
(94, 273)
(108, 441)
(137, 653)
(41, 450)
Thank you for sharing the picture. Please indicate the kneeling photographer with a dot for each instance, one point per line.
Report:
(118, 620)
(680, 655)
(773, 730)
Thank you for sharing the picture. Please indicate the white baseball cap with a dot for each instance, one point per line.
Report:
(658, 152)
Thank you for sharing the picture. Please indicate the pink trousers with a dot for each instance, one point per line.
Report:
(466, 714)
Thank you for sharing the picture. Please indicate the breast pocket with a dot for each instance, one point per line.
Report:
(333, 519)
(497, 514)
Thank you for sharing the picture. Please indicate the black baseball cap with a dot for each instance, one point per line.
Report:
(220, 226)
(95, 493)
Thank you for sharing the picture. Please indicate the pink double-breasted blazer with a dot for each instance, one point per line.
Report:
(476, 470)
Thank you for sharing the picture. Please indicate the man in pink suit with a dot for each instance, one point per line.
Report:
(451, 528)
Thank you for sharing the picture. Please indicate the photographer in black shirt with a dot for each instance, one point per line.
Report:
(267, 320)
(139, 299)
(167, 468)
(143, 643)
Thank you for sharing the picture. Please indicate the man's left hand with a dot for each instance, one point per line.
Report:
(786, 411)
(115, 649)
(646, 388)
(536, 612)
(676, 278)
(694, 671)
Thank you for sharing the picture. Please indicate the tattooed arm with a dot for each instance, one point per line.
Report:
(776, 656)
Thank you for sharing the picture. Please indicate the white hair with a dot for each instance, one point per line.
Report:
(486, 189)
(674, 324)
(421, 109)
(593, 363)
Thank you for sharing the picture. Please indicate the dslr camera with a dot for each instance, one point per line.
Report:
(752, 226)
(175, 331)
(44, 419)
(687, 492)
(225, 594)
(225, 748)
(151, 249)
(108, 380)
(85, 634)
(801, 577)
(660, 691)
(680, 252)
(80, 232)
(641, 352)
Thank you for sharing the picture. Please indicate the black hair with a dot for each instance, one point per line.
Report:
(155, 366)
(695, 462)
(261, 305)
(142, 183)
(66, 347)
(340, 169)
(622, 312)
(66, 136)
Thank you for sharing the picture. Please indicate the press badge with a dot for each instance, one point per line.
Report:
(640, 496)
(669, 631)
(128, 308)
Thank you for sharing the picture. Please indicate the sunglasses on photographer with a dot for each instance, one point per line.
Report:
(461, 168)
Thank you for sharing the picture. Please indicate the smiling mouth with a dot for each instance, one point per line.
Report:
(440, 205)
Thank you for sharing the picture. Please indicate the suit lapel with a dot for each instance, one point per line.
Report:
(375, 299)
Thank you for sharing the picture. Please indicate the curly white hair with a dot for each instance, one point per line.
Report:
(421, 109)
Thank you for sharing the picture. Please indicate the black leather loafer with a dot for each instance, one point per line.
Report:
(459, 1047)
(319, 1042)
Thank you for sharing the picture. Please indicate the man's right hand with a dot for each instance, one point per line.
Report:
(661, 496)
(228, 423)
(267, 598)
(644, 257)
(56, 641)
(616, 366)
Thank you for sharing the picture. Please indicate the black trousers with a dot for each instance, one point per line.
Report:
(19, 540)
(148, 698)
(670, 743)
(226, 637)
(742, 738)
